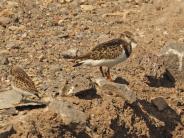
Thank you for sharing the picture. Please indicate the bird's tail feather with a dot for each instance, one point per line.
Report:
(83, 57)
(78, 64)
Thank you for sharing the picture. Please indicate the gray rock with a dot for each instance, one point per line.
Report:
(173, 54)
(116, 89)
(160, 103)
(6, 131)
(71, 53)
(68, 113)
(9, 98)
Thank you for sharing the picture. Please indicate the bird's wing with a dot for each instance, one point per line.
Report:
(110, 43)
(108, 50)
(27, 84)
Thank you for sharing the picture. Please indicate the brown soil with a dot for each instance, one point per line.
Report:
(35, 40)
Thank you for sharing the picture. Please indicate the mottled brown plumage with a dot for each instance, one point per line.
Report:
(109, 53)
(108, 50)
(22, 83)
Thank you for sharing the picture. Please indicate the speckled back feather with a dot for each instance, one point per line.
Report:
(21, 80)
(108, 50)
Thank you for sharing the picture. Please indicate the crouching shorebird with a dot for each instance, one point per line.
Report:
(109, 53)
(22, 83)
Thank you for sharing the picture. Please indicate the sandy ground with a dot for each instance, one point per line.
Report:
(35, 34)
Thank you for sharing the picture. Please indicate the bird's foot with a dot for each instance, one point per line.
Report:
(109, 78)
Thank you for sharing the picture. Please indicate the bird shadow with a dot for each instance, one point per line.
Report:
(120, 131)
(167, 80)
(29, 107)
(88, 94)
(146, 111)
(120, 80)
(168, 116)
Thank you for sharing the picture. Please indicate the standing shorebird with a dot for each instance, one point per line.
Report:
(109, 53)
(22, 83)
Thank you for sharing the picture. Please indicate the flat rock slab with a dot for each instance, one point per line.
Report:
(9, 98)
(173, 54)
(68, 113)
(116, 89)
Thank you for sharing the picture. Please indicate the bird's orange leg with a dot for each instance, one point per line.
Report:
(109, 75)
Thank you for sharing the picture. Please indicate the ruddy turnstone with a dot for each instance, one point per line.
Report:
(22, 83)
(109, 53)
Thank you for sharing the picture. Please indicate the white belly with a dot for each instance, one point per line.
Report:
(22, 91)
(105, 62)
